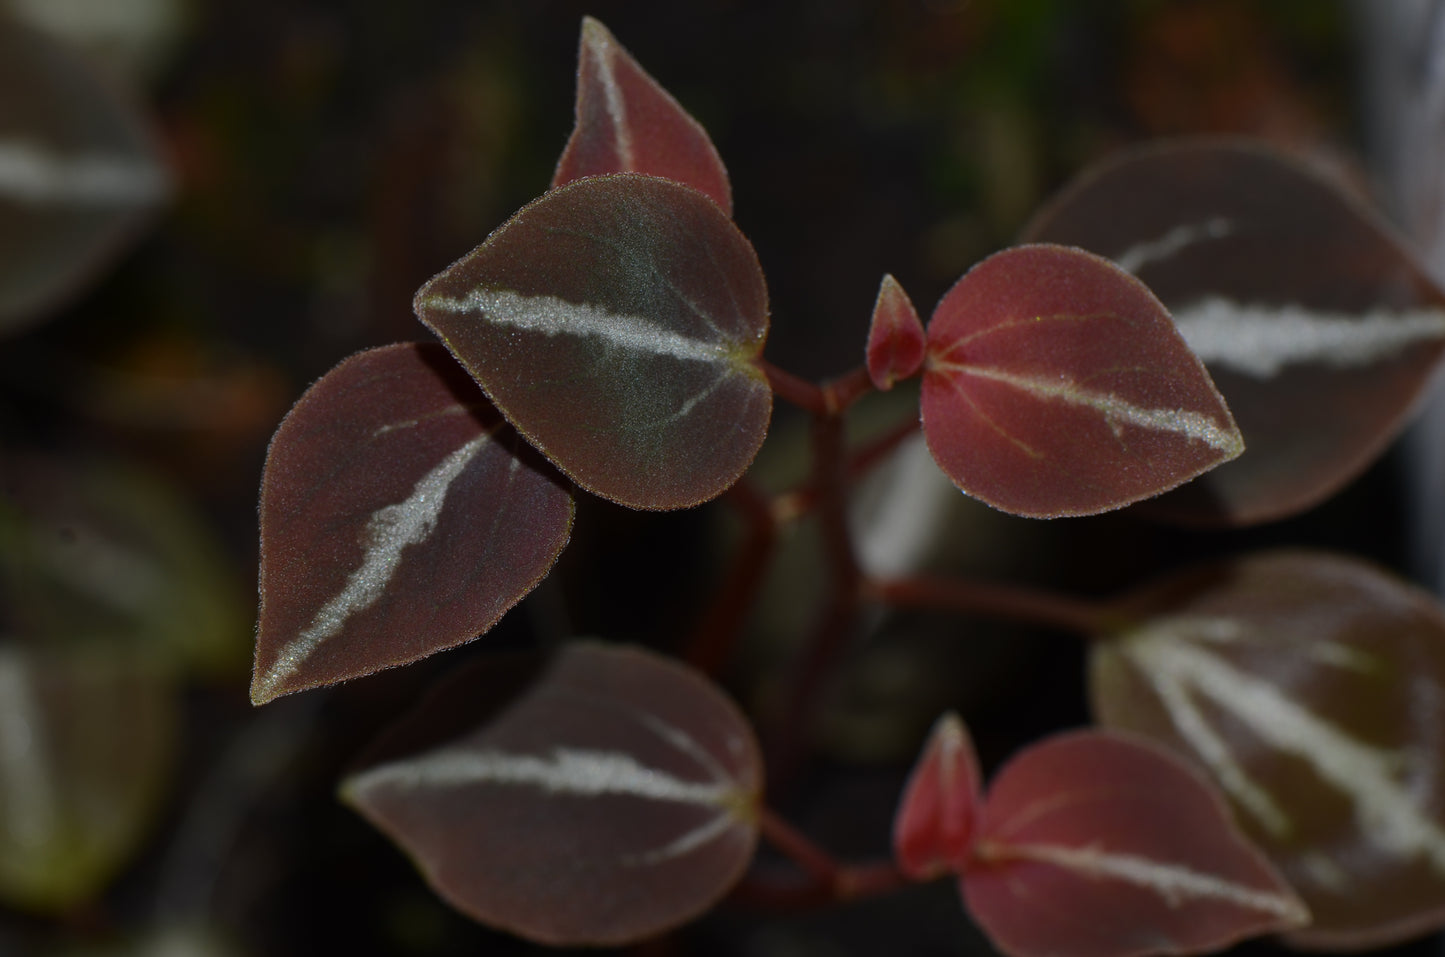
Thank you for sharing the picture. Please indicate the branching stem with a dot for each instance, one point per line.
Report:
(991, 599)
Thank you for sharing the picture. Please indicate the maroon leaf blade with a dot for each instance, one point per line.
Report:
(627, 123)
(896, 340)
(1096, 845)
(933, 828)
(79, 173)
(1318, 327)
(398, 518)
(1055, 384)
(601, 797)
(616, 322)
(1309, 687)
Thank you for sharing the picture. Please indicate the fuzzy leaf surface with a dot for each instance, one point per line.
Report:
(896, 340)
(1055, 384)
(1315, 322)
(1311, 687)
(79, 173)
(627, 123)
(933, 829)
(399, 517)
(616, 322)
(1096, 845)
(598, 797)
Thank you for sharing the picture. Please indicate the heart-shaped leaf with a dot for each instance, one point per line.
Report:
(1318, 327)
(616, 322)
(933, 829)
(599, 797)
(1310, 686)
(78, 173)
(895, 336)
(399, 517)
(1055, 384)
(627, 123)
(1095, 845)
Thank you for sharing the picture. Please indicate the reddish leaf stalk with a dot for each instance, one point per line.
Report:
(847, 389)
(829, 879)
(829, 483)
(788, 387)
(990, 599)
(721, 625)
(872, 454)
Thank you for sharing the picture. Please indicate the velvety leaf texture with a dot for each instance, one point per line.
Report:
(399, 517)
(933, 829)
(1095, 845)
(1317, 326)
(599, 797)
(895, 338)
(1312, 688)
(1055, 384)
(627, 123)
(79, 173)
(616, 322)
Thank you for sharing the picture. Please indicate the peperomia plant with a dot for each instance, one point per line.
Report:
(1268, 756)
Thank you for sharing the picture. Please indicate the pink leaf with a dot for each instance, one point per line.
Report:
(399, 517)
(1056, 384)
(1308, 685)
(599, 797)
(627, 123)
(896, 337)
(1314, 320)
(1096, 845)
(933, 829)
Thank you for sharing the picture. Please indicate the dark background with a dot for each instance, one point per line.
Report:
(331, 156)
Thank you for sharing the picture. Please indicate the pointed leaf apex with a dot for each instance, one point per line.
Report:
(933, 829)
(627, 123)
(896, 339)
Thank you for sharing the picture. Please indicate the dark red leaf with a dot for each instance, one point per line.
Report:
(895, 338)
(79, 173)
(627, 123)
(616, 322)
(601, 797)
(1055, 384)
(1316, 324)
(399, 517)
(1096, 845)
(933, 828)
(1312, 688)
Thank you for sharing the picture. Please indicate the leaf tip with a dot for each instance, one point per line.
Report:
(896, 340)
(933, 831)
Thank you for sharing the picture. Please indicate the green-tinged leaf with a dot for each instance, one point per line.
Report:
(86, 740)
(1056, 385)
(616, 322)
(98, 551)
(601, 796)
(78, 173)
(1312, 688)
(627, 123)
(399, 517)
(1315, 322)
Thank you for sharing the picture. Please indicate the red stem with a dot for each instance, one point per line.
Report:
(1009, 602)
(722, 622)
(828, 880)
(805, 395)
